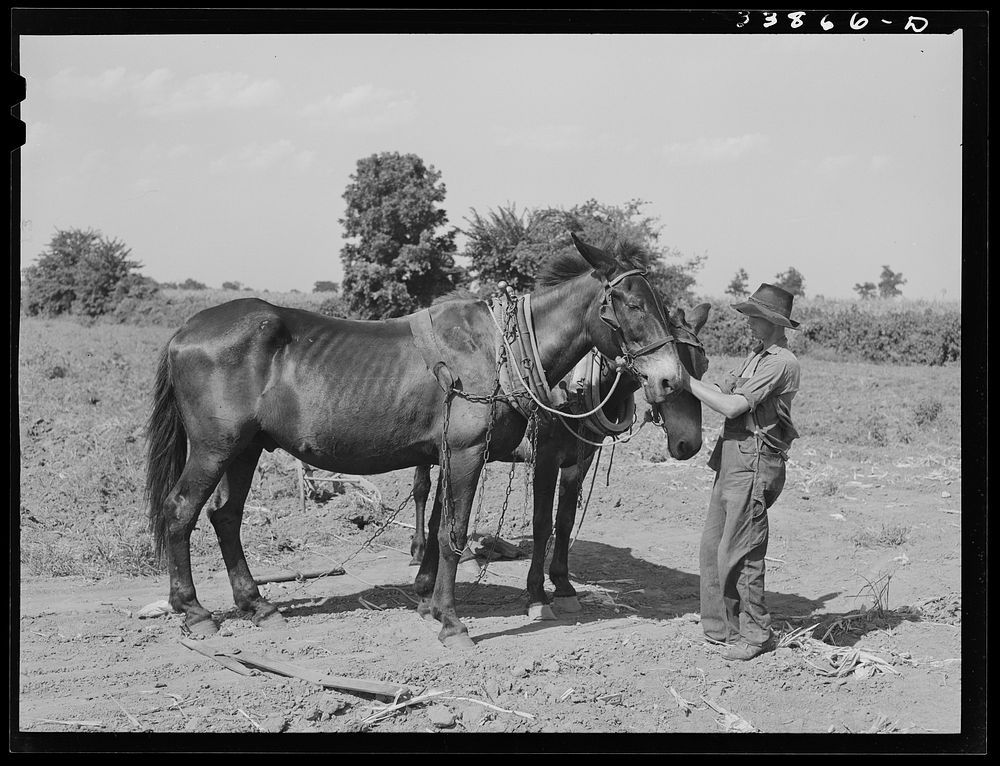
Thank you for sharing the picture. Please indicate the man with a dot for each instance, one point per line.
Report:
(749, 460)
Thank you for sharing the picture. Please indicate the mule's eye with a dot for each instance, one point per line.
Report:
(634, 305)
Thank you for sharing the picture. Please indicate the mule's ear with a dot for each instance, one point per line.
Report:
(699, 315)
(596, 257)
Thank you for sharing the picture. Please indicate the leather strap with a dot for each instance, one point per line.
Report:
(426, 341)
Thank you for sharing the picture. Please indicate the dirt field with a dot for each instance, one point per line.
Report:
(864, 581)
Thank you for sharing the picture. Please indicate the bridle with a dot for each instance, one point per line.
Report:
(607, 315)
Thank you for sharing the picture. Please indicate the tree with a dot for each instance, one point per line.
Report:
(865, 290)
(888, 285)
(192, 284)
(325, 287)
(792, 281)
(232, 286)
(399, 262)
(738, 286)
(505, 245)
(511, 246)
(83, 272)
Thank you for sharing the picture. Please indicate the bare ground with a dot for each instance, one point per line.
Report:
(631, 661)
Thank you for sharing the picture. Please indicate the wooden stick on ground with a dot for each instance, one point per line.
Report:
(221, 658)
(289, 575)
(364, 686)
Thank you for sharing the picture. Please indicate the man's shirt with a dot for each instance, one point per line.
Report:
(768, 379)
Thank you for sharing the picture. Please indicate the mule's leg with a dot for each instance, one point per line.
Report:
(423, 585)
(181, 508)
(570, 479)
(544, 489)
(452, 535)
(421, 489)
(227, 519)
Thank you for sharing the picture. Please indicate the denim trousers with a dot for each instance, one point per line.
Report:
(734, 541)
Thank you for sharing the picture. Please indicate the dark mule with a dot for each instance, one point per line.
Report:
(357, 397)
(561, 456)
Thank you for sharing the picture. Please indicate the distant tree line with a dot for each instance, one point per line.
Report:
(793, 281)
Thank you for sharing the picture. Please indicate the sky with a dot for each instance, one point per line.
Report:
(226, 157)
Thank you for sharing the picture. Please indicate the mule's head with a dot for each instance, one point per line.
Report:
(680, 413)
(630, 325)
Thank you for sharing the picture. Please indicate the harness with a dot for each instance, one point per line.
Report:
(522, 376)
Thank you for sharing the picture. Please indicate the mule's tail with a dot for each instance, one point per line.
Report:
(166, 451)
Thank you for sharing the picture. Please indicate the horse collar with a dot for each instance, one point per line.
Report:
(522, 372)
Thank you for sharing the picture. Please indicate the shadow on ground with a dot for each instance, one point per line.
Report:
(611, 581)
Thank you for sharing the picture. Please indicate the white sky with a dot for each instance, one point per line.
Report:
(226, 157)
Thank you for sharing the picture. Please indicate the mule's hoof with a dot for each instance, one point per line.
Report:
(459, 641)
(566, 604)
(541, 612)
(269, 620)
(205, 626)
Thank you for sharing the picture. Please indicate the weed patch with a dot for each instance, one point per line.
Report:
(885, 536)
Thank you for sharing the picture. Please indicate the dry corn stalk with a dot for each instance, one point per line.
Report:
(682, 703)
(395, 706)
(730, 721)
(797, 637)
(846, 661)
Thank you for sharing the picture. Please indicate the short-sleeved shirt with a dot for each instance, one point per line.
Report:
(768, 379)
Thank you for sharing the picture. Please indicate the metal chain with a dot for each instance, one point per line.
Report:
(510, 315)
(385, 525)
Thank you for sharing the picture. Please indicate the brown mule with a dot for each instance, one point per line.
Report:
(357, 397)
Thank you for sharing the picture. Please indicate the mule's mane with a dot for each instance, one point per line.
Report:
(564, 265)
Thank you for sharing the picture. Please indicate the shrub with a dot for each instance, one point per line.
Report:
(887, 536)
(872, 331)
(926, 410)
(84, 273)
(897, 336)
(335, 306)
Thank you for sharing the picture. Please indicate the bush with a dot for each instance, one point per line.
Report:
(870, 331)
(84, 273)
(926, 410)
(335, 306)
(886, 536)
(899, 336)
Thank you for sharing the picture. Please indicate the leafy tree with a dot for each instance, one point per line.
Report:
(512, 246)
(192, 284)
(889, 282)
(738, 286)
(233, 286)
(792, 281)
(83, 272)
(325, 287)
(865, 290)
(505, 245)
(399, 262)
